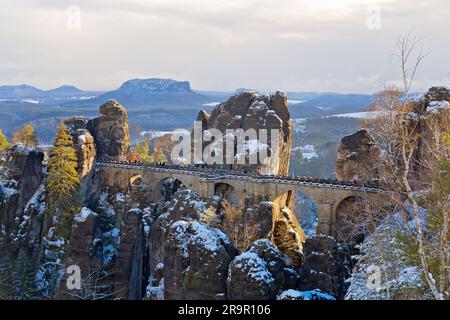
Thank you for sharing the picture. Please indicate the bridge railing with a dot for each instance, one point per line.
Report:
(214, 172)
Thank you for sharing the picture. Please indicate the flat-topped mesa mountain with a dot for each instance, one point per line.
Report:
(154, 91)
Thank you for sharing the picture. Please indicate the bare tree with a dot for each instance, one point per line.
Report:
(411, 54)
(238, 226)
(399, 131)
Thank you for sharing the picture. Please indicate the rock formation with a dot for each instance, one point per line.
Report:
(24, 165)
(257, 273)
(84, 145)
(251, 111)
(110, 132)
(130, 253)
(248, 110)
(86, 151)
(358, 158)
(433, 113)
(325, 267)
(21, 196)
(196, 262)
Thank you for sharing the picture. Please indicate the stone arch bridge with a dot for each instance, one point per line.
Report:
(328, 195)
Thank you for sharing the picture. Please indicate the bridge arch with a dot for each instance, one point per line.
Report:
(165, 188)
(352, 219)
(136, 180)
(226, 191)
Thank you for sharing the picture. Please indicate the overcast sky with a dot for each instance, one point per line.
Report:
(295, 45)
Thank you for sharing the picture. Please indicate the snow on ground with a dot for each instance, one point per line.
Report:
(6, 193)
(295, 101)
(437, 106)
(298, 125)
(109, 252)
(156, 292)
(30, 101)
(315, 294)
(84, 214)
(255, 267)
(307, 151)
(199, 234)
(211, 104)
(381, 272)
(358, 115)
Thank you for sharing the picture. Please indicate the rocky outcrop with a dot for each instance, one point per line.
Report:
(196, 262)
(80, 247)
(248, 110)
(431, 113)
(24, 165)
(110, 132)
(21, 203)
(288, 235)
(325, 266)
(130, 254)
(436, 94)
(257, 274)
(358, 158)
(84, 145)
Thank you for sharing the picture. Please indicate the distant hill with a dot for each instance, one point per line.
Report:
(20, 91)
(24, 92)
(65, 90)
(154, 92)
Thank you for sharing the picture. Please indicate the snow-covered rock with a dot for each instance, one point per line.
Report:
(304, 295)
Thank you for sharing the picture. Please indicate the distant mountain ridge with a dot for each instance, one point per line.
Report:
(154, 92)
(25, 91)
(66, 89)
(20, 91)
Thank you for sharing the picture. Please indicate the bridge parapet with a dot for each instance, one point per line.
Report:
(326, 193)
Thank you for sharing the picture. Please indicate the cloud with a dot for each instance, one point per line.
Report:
(217, 44)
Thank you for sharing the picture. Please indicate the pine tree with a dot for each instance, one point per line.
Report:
(4, 145)
(63, 181)
(24, 278)
(29, 137)
(141, 151)
(26, 136)
(17, 137)
(6, 282)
